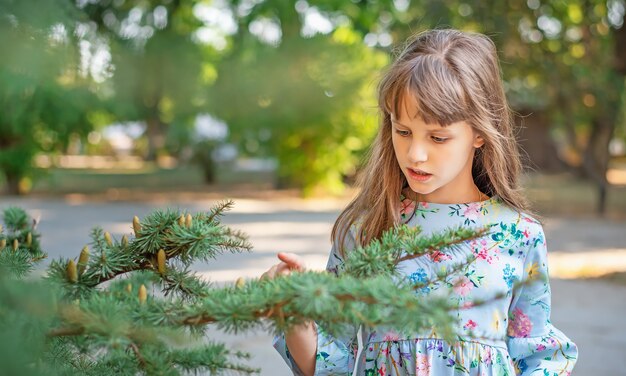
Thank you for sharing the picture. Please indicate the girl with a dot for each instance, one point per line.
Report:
(445, 156)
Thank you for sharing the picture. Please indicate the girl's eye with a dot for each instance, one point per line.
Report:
(439, 140)
(402, 133)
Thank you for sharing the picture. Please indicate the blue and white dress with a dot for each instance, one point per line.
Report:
(509, 336)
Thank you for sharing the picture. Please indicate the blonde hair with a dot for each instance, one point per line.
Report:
(454, 76)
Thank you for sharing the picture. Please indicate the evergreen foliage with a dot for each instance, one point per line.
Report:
(94, 314)
(19, 243)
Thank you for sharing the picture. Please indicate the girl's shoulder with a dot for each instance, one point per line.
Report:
(520, 231)
(501, 212)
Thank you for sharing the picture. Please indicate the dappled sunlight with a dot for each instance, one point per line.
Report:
(245, 206)
(616, 176)
(568, 265)
(97, 162)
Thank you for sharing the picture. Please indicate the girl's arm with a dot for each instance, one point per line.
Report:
(309, 350)
(302, 344)
(535, 345)
(301, 340)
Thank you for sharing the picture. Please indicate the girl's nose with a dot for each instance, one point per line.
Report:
(417, 153)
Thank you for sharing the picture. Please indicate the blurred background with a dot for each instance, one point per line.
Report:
(111, 108)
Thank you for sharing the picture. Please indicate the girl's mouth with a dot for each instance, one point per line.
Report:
(418, 175)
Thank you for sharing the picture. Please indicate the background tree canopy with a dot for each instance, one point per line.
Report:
(294, 81)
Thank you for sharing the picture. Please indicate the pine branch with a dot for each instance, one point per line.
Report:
(135, 348)
(237, 311)
(15, 219)
(182, 237)
(290, 300)
(419, 245)
(183, 282)
(212, 358)
(443, 274)
(106, 311)
(15, 264)
(66, 360)
(217, 212)
(18, 237)
(382, 256)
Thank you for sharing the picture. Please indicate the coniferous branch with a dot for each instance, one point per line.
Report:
(345, 302)
(381, 256)
(279, 303)
(17, 264)
(142, 361)
(16, 219)
(449, 238)
(182, 238)
(217, 212)
(129, 330)
(185, 283)
(62, 358)
(391, 240)
(186, 240)
(201, 241)
(149, 343)
(444, 274)
(285, 301)
(213, 358)
(20, 249)
(97, 240)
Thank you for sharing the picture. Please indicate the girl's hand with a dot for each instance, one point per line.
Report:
(289, 262)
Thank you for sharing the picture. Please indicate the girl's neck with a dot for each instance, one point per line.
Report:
(473, 196)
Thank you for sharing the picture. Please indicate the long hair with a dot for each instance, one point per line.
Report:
(454, 76)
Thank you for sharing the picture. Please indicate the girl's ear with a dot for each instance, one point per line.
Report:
(478, 141)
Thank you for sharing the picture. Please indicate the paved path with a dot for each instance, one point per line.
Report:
(591, 312)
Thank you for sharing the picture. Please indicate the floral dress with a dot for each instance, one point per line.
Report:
(508, 336)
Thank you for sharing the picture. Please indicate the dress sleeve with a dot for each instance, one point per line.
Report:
(335, 355)
(535, 345)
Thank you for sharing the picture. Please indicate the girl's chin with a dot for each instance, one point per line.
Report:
(421, 190)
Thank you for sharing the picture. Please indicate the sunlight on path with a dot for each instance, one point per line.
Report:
(596, 263)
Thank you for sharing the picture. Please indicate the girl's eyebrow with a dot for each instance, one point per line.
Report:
(438, 129)
(397, 122)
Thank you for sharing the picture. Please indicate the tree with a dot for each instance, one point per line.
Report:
(157, 65)
(43, 97)
(306, 100)
(94, 315)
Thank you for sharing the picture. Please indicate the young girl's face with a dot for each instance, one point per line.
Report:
(436, 160)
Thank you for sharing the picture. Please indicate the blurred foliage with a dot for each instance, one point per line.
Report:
(43, 98)
(158, 67)
(309, 102)
(294, 80)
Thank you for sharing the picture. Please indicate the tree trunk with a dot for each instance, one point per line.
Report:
(538, 150)
(596, 158)
(13, 184)
(156, 137)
